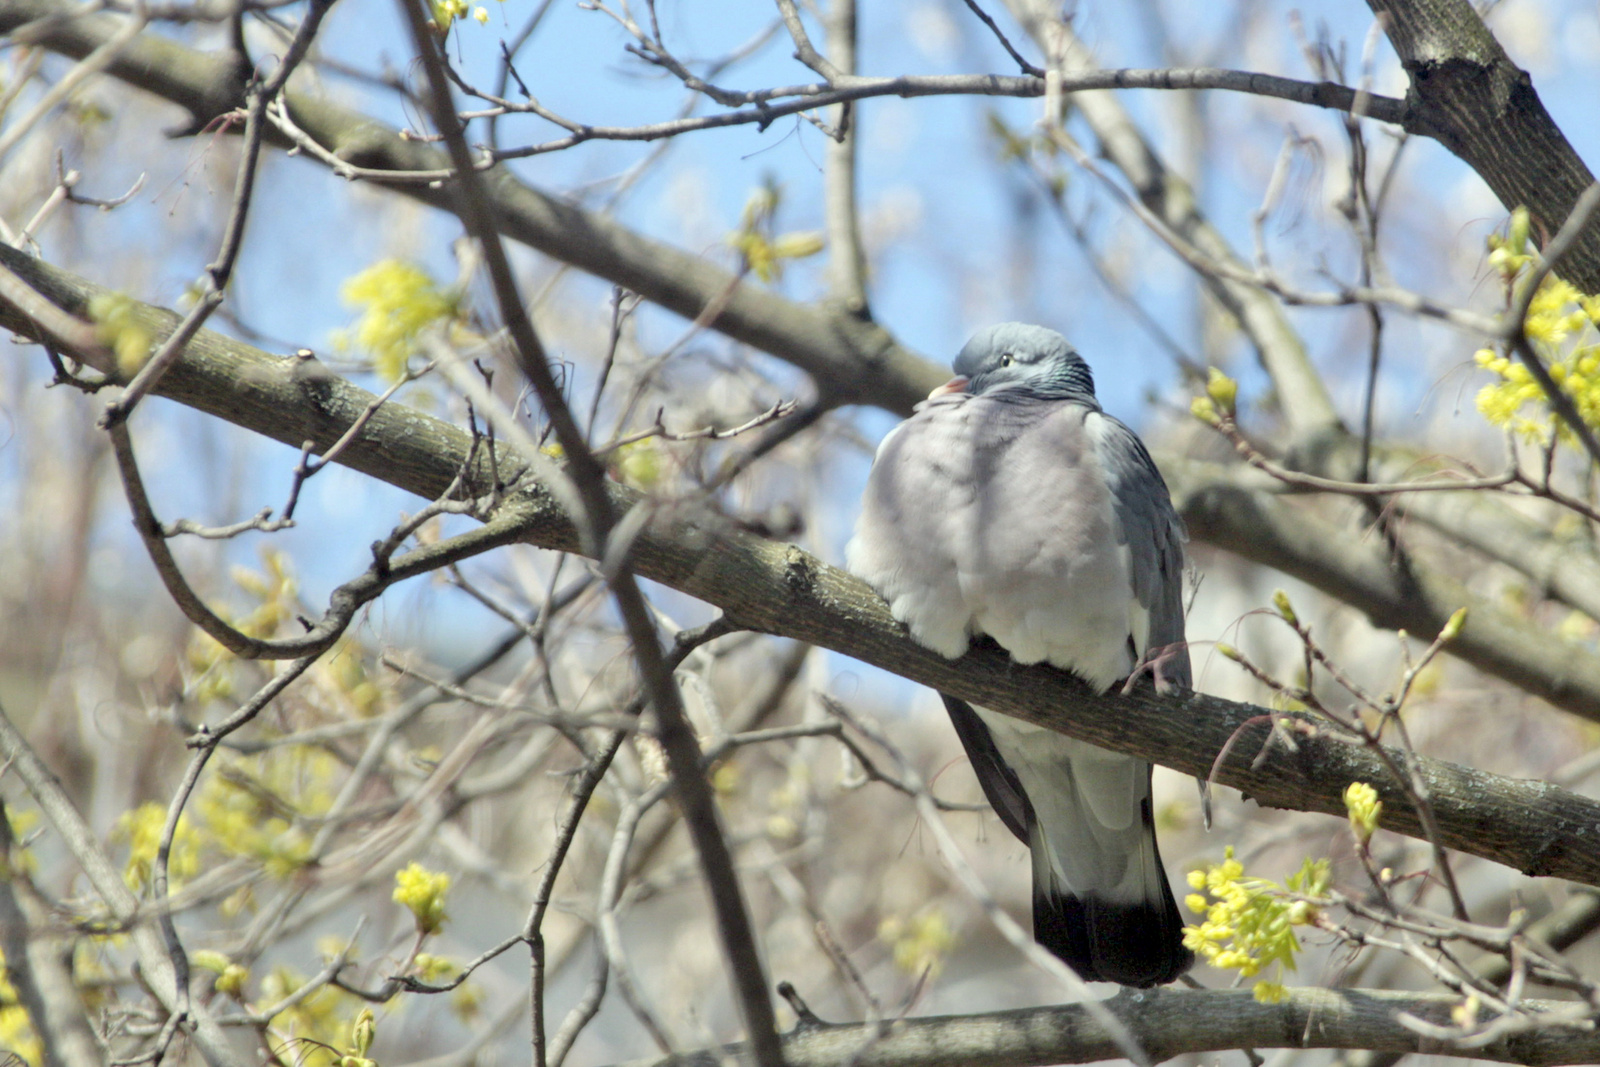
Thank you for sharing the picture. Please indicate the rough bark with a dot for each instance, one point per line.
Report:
(1481, 106)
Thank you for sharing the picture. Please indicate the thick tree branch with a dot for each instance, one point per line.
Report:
(1166, 1022)
(1320, 443)
(775, 588)
(851, 360)
(1483, 107)
(1563, 567)
(1222, 509)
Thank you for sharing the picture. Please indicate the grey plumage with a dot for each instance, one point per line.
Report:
(1012, 507)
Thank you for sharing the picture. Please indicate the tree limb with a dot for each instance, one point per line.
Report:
(1308, 407)
(775, 588)
(1483, 108)
(1564, 568)
(1167, 1022)
(1220, 509)
(851, 360)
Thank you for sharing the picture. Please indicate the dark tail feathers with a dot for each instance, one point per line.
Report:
(1134, 944)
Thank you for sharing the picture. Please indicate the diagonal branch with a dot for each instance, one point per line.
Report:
(1225, 510)
(762, 585)
(1308, 406)
(1484, 109)
(852, 360)
(1167, 1022)
(598, 527)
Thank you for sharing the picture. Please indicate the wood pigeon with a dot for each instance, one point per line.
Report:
(1009, 506)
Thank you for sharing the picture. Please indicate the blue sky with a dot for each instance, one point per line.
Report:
(961, 242)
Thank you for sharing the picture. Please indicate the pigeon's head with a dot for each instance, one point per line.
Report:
(1028, 359)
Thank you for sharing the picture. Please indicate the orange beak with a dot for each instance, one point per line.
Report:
(954, 385)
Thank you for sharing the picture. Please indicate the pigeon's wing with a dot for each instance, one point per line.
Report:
(916, 522)
(1149, 527)
(1101, 897)
(916, 539)
(1000, 785)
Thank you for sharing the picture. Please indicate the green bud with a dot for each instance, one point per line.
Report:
(797, 245)
(1280, 600)
(1452, 628)
(1517, 232)
(1362, 803)
(362, 1033)
(1223, 390)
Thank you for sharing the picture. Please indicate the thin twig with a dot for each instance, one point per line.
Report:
(595, 522)
(214, 282)
(983, 16)
(346, 600)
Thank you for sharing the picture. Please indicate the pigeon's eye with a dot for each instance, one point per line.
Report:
(1005, 359)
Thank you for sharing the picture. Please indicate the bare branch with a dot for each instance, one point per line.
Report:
(595, 526)
(107, 882)
(1169, 1022)
(53, 1007)
(345, 600)
(780, 589)
(803, 49)
(92, 63)
(214, 283)
(847, 268)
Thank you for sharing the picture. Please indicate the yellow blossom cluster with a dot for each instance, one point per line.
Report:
(446, 12)
(1249, 922)
(230, 977)
(23, 822)
(142, 828)
(16, 1032)
(466, 1001)
(252, 807)
(763, 253)
(1222, 396)
(1561, 328)
(920, 943)
(787, 804)
(1362, 803)
(423, 891)
(320, 1018)
(276, 593)
(119, 326)
(397, 301)
(344, 675)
